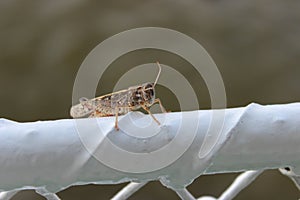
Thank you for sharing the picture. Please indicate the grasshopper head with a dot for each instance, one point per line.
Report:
(148, 91)
(145, 93)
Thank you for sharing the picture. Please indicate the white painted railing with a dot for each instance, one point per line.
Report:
(49, 156)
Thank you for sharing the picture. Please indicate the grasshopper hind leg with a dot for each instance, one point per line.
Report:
(98, 114)
(116, 120)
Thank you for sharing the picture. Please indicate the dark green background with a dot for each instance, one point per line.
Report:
(255, 45)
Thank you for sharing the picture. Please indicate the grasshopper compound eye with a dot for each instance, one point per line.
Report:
(149, 86)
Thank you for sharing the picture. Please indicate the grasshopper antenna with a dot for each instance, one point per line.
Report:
(159, 70)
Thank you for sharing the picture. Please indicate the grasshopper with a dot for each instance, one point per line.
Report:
(120, 102)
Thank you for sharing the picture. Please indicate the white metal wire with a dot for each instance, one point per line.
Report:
(128, 190)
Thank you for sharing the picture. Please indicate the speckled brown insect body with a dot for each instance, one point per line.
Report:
(119, 103)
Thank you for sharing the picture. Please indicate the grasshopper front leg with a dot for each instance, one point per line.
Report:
(147, 109)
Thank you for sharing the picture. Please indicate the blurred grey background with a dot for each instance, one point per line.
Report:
(255, 45)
